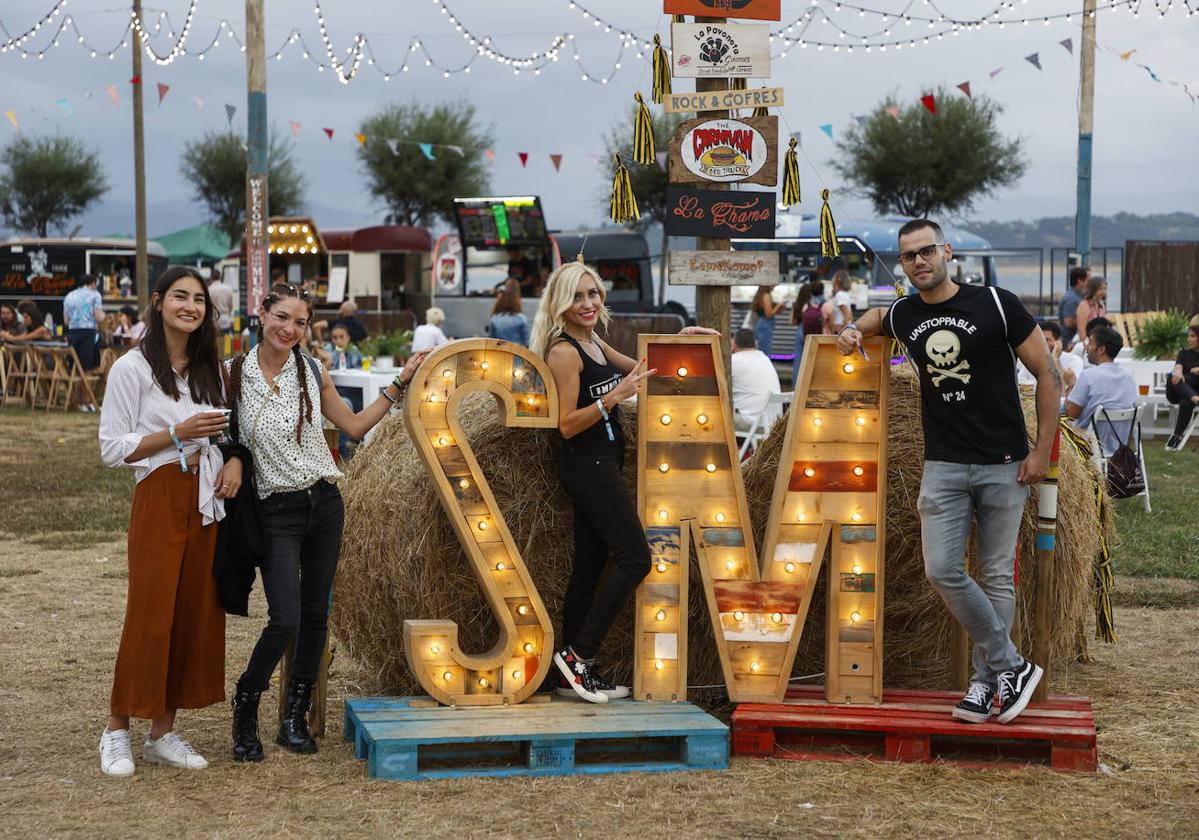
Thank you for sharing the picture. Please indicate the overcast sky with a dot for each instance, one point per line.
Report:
(1145, 132)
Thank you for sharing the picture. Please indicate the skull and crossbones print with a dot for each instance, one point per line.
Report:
(944, 347)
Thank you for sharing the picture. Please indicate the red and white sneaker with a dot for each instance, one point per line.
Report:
(579, 676)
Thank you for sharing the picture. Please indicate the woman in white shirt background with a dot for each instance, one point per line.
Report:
(280, 396)
(162, 409)
(428, 336)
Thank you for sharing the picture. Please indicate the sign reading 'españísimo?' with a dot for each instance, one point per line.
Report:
(720, 50)
(724, 268)
(725, 151)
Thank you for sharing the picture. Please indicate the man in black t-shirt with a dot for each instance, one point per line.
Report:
(963, 342)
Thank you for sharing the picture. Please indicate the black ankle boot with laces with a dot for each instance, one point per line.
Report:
(246, 746)
(293, 729)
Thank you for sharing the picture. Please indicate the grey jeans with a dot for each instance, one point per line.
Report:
(950, 496)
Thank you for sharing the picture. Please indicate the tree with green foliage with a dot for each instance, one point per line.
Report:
(414, 189)
(649, 180)
(215, 166)
(47, 181)
(923, 163)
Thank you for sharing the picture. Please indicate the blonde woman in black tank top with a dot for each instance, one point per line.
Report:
(592, 380)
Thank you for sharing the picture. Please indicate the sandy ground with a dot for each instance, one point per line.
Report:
(60, 620)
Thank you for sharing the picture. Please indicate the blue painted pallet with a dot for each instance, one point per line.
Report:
(563, 737)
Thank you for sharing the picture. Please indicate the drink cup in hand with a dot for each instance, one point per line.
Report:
(223, 437)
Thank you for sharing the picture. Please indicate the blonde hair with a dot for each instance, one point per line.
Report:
(842, 280)
(435, 316)
(557, 298)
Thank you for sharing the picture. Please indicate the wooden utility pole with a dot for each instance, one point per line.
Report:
(255, 253)
(1086, 127)
(712, 303)
(141, 278)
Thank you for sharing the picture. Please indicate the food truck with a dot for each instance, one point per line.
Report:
(44, 270)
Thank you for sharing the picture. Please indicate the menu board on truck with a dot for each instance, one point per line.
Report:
(500, 222)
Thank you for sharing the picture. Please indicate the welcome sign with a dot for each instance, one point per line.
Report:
(725, 151)
(720, 51)
(753, 9)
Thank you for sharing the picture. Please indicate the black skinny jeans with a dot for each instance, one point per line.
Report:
(1183, 392)
(606, 521)
(303, 531)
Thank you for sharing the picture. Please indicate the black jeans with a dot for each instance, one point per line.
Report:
(606, 521)
(303, 531)
(1182, 393)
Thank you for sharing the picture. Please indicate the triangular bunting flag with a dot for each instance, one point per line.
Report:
(295, 128)
(893, 110)
(827, 128)
(65, 104)
(12, 118)
(1068, 44)
(1127, 55)
(426, 149)
(1034, 60)
(111, 90)
(361, 138)
(136, 80)
(930, 102)
(964, 87)
(556, 160)
(524, 158)
(458, 149)
(230, 110)
(661, 156)
(162, 91)
(328, 132)
(489, 154)
(995, 73)
(394, 145)
(199, 100)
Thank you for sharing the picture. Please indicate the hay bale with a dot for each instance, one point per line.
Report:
(401, 560)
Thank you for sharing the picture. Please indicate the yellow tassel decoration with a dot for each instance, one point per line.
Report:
(678, 18)
(761, 111)
(643, 133)
(737, 83)
(791, 175)
(828, 230)
(623, 207)
(661, 64)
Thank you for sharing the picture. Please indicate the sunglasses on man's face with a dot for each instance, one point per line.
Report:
(925, 253)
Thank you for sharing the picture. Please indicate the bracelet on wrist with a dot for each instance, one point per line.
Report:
(849, 326)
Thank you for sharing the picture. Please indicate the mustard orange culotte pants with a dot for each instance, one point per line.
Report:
(172, 653)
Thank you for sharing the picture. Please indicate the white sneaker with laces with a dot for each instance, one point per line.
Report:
(173, 750)
(116, 759)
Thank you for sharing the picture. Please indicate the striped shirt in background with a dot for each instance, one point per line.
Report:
(135, 406)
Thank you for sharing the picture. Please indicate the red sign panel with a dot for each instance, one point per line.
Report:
(753, 9)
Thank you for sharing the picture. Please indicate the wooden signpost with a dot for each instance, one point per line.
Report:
(724, 268)
(722, 150)
(720, 50)
(747, 214)
(723, 100)
(755, 9)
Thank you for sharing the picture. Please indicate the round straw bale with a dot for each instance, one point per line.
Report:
(401, 560)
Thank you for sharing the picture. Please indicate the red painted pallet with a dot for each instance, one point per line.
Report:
(915, 726)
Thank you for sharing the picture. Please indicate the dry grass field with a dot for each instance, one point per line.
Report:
(62, 587)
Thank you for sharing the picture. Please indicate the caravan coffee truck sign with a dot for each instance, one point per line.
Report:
(720, 51)
(725, 151)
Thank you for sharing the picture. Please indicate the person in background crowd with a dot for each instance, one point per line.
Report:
(1093, 305)
(342, 353)
(83, 310)
(222, 300)
(161, 409)
(347, 315)
(508, 322)
(1105, 384)
(592, 379)
(280, 395)
(129, 329)
(754, 380)
(764, 309)
(1183, 387)
(1068, 364)
(838, 311)
(428, 335)
(1080, 347)
(33, 322)
(1068, 308)
(805, 315)
(12, 325)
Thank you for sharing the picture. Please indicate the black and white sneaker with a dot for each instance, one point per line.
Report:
(1172, 445)
(602, 683)
(579, 676)
(978, 704)
(1016, 688)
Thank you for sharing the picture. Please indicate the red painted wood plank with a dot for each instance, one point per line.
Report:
(668, 358)
(939, 713)
(915, 725)
(833, 477)
(758, 596)
(901, 695)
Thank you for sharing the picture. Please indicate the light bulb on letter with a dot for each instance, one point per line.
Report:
(776, 617)
(485, 365)
(659, 665)
(754, 666)
(447, 676)
(729, 565)
(463, 483)
(664, 467)
(859, 471)
(482, 525)
(817, 421)
(661, 567)
(662, 514)
(665, 418)
(738, 615)
(434, 649)
(861, 421)
(789, 568)
(847, 367)
(682, 371)
(857, 570)
(523, 609)
(710, 468)
(661, 615)
(809, 472)
(528, 647)
(855, 616)
(702, 419)
(720, 517)
(516, 675)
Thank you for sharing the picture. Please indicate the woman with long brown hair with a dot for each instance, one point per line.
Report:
(280, 395)
(1093, 305)
(162, 409)
(507, 321)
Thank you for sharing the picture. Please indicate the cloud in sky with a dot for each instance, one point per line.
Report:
(1143, 129)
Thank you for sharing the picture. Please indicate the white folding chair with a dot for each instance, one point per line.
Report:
(1191, 428)
(1117, 417)
(774, 409)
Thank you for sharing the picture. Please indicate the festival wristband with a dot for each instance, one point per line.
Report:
(178, 447)
(607, 421)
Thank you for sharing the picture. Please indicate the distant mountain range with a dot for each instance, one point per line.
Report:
(1106, 231)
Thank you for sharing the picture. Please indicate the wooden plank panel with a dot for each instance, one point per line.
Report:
(768, 657)
(850, 400)
(682, 386)
(689, 419)
(687, 456)
(757, 596)
(837, 507)
(854, 476)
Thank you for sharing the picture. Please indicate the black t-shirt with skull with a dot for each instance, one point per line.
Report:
(963, 351)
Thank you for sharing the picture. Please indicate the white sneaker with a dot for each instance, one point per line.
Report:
(116, 759)
(173, 750)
